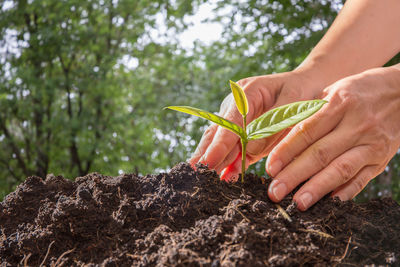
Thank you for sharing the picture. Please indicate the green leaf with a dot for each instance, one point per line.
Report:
(240, 98)
(282, 117)
(211, 117)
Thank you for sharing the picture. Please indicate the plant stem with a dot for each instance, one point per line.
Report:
(244, 144)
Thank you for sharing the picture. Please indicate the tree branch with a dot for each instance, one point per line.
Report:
(14, 148)
(73, 148)
(10, 170)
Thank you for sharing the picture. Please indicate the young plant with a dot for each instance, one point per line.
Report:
(270, 123)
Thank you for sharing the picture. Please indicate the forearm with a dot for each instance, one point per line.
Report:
(366, 34)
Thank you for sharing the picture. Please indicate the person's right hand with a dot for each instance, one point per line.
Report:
(219, 148)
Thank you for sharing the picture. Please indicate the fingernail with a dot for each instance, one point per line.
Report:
(228, 176)
(278, 189)
(230, 173)
(234, 178)
(202, 160)
(274, 168)
(306, 200)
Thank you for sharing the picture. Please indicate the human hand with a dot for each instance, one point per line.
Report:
(343, 146)
(219, 147)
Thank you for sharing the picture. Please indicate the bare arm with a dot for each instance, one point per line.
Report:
(365, 35)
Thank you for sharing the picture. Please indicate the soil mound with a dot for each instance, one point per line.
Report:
(187, 218)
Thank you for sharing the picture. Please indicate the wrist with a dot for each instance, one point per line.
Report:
(321, 70)
(313, 78)
(383, 77)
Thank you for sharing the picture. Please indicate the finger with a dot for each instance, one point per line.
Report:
(255, 148)
(353, 187)
(338, 172)
(311, 161)
(229, 158)
(300, 137)
(223, 143)
(258, 150)
(253, 153)
(203, 144)
(210, 132)
(231, 173)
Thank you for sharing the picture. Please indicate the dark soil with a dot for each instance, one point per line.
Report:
(187, 218)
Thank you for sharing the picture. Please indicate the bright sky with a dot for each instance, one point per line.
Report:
(204, 31)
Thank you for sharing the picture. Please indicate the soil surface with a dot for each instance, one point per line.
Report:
(187, 218)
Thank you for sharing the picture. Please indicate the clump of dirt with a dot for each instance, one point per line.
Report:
(187, 218)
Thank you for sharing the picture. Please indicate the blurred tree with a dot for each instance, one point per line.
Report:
(67, 102)
(83, 83)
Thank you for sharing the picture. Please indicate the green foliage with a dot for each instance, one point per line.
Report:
(270, 123)
(82, 82)
(280, 118)
(240, 99)
(67, 94)
(233, 127)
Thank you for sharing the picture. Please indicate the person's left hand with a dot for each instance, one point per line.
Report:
(344, 145)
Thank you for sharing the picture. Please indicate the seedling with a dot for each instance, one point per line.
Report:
(270, 123)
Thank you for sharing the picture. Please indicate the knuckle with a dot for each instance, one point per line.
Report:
(343, 95)
(233, 115)
(225, 104)
(254, 111)
(373, 154)
(345, 171)
(256, 147)
(384, 143)
(321, 155)
(359, 185)
(305, 132)
(348, 97)
(209, 131)
(223, 146)
(243, 82)
(381, 145)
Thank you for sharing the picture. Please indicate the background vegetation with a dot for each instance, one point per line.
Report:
(83, 83)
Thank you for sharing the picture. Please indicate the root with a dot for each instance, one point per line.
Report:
(62, 255)
(25, 259)
(284, 213)
(47, 253)
(241, 213)
(339, 259)
(320, 233)
(226, 196)
(133, 256)
(195, 192)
